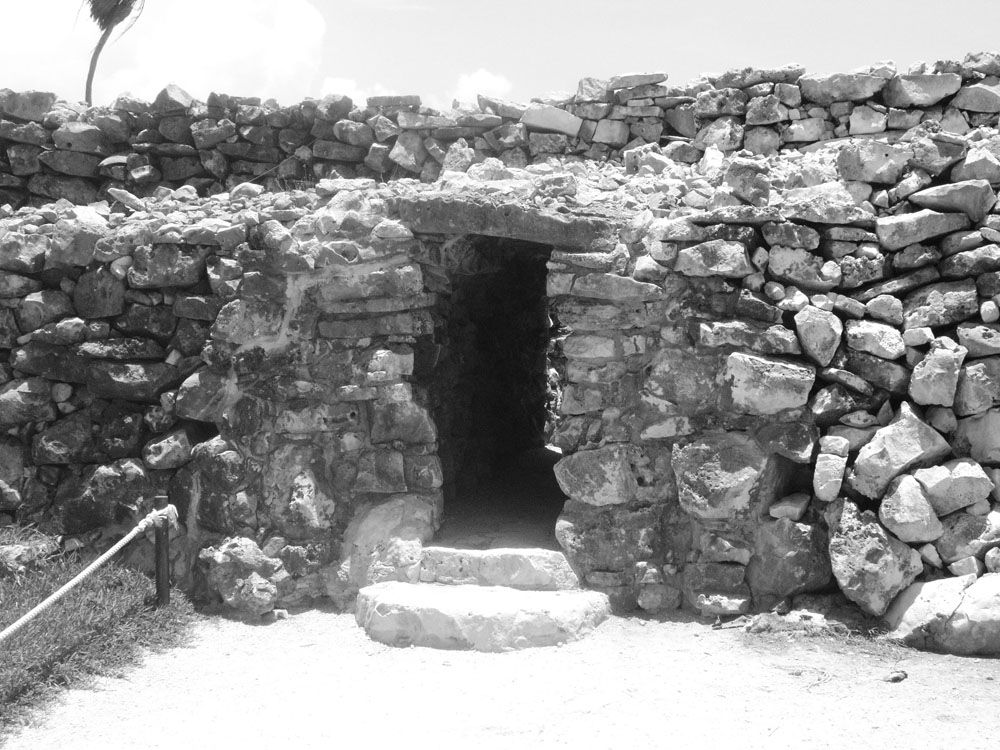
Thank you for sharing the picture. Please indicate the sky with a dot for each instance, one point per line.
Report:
(447, 50)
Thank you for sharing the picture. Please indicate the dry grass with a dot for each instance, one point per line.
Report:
(99, 628)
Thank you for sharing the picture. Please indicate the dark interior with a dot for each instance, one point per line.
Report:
(493, 392)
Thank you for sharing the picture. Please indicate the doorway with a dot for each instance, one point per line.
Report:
(494, 393)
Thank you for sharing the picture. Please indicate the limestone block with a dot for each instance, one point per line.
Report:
(954, 484)
(906, 511)
(980, 339)
(967, 535)
(807, 130)
(919, 615)
(979, 437)
(39, 308)
(979, 97)
(872, 162)
(243, 320)
(935, 377)
(978, 387)
(615, 133)
(155, 266)
(978, 164)
(205, 396)
(971, 262)
(974, 627)
(613, 539)
(242, 575)
(74, 189)
(597, 477)
(760, 385)
(871, 567)
(725, 133)
(718, 102)
(974, 198)
(923, 90)
(896, 232)
(409, 152)
(771, 340)
(840, 87)
(789, 558)
(765, 110)
(967, 566)
(718, 475)
(381, 471)
(826, 203)
(99, 294)
(103, 494)
(14, 286)
(478, 618)
(933, 155)
(169, 451)
(865, 120)
(828, 475)
(760, 140)
(614, 287)
(792, 507)
(714, 258)
(406, 422)
(940, 304)
(549, 119)
(904, 443)
(143, 382)
(27, 105)
(819, 333)
(790, 235)
(526, 569)
(875, 338)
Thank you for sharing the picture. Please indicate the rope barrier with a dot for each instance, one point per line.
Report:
(164, 515)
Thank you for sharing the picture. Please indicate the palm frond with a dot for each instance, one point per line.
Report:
(109, 13)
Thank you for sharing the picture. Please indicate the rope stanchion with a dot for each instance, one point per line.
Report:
(166, 515)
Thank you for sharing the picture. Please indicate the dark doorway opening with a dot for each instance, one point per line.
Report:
(494, 397)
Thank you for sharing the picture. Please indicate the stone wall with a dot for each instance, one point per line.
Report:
(777, 348)
(52, 149)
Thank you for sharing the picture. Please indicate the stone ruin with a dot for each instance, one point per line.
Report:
(756, 314)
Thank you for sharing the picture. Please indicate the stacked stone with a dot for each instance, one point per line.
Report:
(51, 149)
(780, 370)
(864, 303)
(765, 110)
(54, 149)
(102, 320)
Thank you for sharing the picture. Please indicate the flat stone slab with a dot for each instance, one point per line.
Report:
(476, 618)
(525, 569)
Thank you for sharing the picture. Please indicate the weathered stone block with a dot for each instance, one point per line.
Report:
(904, 443)
(760, 385)
(871, 566)
(598, 477)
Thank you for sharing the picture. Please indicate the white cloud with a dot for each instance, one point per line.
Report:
(483, 82)
(241, 47)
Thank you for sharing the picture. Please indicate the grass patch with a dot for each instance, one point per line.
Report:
(99, 628)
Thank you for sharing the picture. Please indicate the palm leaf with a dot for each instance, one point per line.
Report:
(109, 13)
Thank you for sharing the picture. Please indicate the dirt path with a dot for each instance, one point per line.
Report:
(316, 681)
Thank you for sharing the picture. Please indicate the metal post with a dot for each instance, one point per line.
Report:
(162, 554)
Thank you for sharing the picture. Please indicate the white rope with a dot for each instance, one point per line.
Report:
(168, 515)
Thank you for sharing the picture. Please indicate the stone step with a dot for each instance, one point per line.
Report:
(535, 569)
(480, 618)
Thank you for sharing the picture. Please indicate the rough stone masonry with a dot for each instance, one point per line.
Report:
(778, 357)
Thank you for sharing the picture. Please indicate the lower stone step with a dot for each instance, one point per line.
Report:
(479, 618)
(538, 569)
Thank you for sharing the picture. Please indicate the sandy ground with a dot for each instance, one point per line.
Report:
(315, 680)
